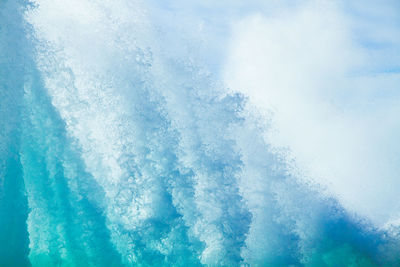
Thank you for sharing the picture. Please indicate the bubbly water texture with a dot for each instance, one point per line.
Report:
(118, 151)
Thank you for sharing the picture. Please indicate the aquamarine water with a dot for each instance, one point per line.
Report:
(114, 152)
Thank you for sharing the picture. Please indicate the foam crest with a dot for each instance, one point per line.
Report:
(129, 155)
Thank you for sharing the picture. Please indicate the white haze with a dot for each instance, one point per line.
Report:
(327, 71)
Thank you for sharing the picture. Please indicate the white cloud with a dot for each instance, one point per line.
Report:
(337, 114)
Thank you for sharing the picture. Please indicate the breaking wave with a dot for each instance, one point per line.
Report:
(118, 147)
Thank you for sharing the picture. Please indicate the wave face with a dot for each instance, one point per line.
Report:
(117, 148)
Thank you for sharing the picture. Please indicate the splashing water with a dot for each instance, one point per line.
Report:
(118, 148)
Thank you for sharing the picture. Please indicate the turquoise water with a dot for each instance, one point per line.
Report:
(135, 156)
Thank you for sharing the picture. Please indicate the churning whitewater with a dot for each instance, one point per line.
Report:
(118, 147)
